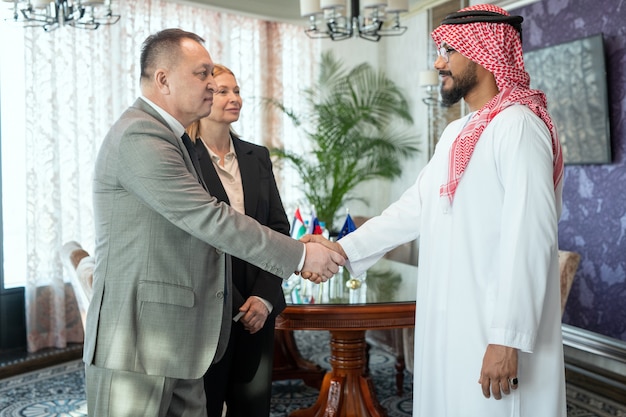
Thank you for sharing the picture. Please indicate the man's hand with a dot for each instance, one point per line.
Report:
(321, 239)
(255, 314)
(499, 372)
(320, 263)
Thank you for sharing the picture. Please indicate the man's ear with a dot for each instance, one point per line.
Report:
(161, 81)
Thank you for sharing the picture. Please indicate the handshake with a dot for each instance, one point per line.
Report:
(323, 258)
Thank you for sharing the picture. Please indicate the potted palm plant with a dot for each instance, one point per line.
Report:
(356, 122)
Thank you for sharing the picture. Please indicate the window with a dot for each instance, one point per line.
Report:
(12, 151)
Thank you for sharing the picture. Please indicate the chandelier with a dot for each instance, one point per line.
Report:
(52, 14)
(327, 21)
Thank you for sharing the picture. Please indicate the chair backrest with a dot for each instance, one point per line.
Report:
(568, 264)
(81, 264)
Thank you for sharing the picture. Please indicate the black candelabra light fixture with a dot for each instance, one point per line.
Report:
(368, 19)
(52, 14)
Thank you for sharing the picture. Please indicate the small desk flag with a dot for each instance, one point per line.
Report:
(317, 227)
(314, 225)
(348, 227)
(298, 228)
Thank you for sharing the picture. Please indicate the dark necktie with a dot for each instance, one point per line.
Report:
(194, 156)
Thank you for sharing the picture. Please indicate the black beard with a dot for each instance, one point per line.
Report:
(461, 85)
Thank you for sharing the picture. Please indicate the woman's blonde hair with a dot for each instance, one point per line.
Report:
(193, 128)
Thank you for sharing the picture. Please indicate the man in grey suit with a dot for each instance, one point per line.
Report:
(161, 304)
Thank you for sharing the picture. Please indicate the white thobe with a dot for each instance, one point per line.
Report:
(488, 270)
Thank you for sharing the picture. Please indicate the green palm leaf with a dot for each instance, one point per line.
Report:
(357, 122)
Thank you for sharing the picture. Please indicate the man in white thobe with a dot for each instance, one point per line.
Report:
(486, 207)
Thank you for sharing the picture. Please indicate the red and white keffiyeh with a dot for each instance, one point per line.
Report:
(498, 48)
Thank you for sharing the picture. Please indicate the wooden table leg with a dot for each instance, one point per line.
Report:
(347, 390)
(289, 364)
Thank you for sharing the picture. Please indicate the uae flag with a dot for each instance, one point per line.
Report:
(298, 228)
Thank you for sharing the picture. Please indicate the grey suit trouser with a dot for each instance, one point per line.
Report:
(113, 393)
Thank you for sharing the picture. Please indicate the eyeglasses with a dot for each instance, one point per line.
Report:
(444, 52)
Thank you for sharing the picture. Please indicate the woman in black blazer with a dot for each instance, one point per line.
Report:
(240, 174)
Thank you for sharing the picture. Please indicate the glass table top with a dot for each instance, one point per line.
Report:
(385, 282)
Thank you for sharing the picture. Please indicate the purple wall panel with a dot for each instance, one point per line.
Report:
(594, 197)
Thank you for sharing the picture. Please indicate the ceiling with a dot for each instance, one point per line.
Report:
(283, 10)
(289, 10)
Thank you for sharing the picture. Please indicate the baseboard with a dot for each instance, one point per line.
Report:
(596, 363)
(19, 362)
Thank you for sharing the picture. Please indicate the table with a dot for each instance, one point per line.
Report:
(386, 299)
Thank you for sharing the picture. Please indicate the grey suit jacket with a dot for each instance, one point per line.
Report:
(161, 243)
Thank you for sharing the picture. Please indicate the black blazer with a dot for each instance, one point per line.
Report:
(261, 202)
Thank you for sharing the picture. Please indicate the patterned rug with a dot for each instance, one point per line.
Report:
(59, 390)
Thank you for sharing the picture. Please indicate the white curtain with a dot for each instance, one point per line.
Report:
(78, 82)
